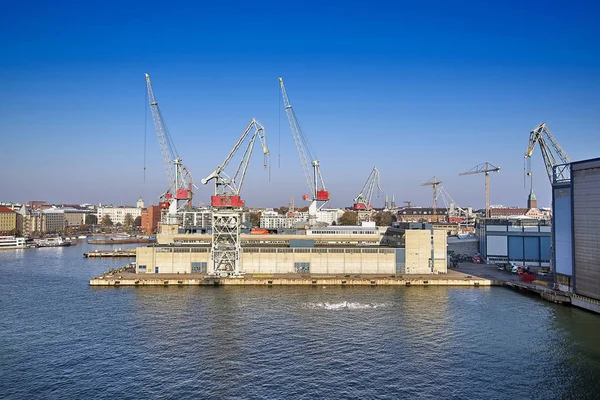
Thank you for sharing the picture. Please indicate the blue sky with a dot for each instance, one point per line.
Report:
(415, 88)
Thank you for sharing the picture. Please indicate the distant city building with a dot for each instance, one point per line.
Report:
(52, 221)
(274, 220)
(150, 219)
(419, 214)
(140, 203)
(117, 214)
(75, 217)
(8, 221)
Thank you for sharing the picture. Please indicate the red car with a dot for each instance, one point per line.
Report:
(477, 260)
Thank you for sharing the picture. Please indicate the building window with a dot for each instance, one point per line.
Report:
(302, 267)
(199, 267)
(141, 267)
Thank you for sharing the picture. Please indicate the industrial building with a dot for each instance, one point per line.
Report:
(576, 218)
(525, 241)
(332, 250)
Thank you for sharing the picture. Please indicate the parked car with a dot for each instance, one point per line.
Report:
(476, 259)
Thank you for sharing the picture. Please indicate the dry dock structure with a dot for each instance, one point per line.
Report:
(130, 278)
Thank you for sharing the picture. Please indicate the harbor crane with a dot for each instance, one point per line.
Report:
(179, 192)
(552, 153)
(362, 203)
(363, 200)
(453, 208)
(227, 205)
(484, 168)
(434, 182)
(314, 180)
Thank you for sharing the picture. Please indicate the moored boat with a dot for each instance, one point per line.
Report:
(12, 242)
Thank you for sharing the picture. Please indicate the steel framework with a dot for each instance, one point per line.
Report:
(552, 153)
(315, 183)
(179, 178)
(227, 205)
(434, 182)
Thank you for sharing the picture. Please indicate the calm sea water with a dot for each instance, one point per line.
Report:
(60, 339)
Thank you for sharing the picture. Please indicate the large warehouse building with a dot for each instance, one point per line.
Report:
(331, 251)
(576, 211)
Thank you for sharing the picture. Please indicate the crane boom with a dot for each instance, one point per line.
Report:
(179, 178)
(232, 185)
(553, 154)
(315, 183)
(363, 200)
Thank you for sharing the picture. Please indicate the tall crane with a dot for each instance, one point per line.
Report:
(179, 177)
(434, 182)
(552, 153)
(227, 204)
(484, 168)
(314, 180)
(363, 200)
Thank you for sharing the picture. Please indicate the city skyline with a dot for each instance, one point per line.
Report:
(415, 90)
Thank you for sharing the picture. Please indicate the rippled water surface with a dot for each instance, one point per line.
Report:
(59, 338)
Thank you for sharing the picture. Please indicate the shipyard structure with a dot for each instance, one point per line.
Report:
(414, 249)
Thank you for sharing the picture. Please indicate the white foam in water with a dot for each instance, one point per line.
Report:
(344, 305)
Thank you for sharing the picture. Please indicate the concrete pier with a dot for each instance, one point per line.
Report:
(126, 277)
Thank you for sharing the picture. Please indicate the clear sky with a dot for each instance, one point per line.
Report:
(416, 88)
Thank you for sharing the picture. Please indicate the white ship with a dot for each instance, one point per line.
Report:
(53, 242)
(12, 242)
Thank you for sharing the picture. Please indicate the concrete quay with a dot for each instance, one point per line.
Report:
(126, 277)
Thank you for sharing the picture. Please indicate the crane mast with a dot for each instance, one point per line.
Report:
(552, 153)
(227, 204)
(434, 182)
(179, 177)
(314, 180)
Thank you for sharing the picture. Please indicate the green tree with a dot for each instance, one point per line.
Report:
(138, 221)
(91, 219)
(254, 219)
(383, 218)
(128, 221)
(106, 221)
(348, 218)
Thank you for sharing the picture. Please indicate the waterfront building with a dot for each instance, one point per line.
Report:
(327, 250)
(422, 249)
(576, 218)
(117, 214)
(8, 220)
(52, 220)
(150, 219)
(75, 217)
(524, 240)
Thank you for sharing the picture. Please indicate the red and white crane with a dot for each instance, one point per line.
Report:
(314, 180)
(227, 204)
(179, 191)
